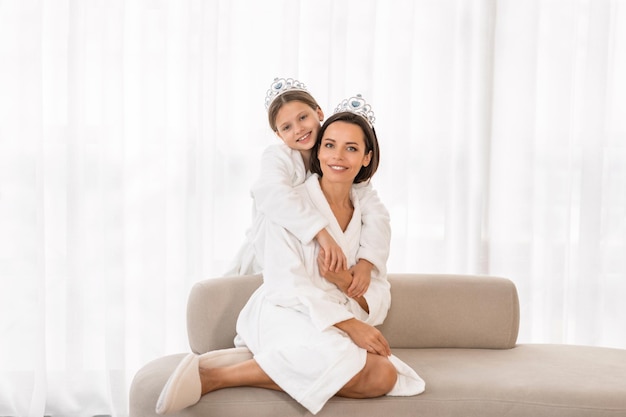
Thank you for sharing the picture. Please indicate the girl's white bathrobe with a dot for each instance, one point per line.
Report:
(288, 323)
(274, 196)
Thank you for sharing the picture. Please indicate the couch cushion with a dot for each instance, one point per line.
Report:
(451, 311)
(427, 311)
(528, 380)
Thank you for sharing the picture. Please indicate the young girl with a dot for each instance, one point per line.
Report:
(308, 338)
(295, 116)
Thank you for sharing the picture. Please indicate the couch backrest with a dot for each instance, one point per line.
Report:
(452, 311)
(427, 311)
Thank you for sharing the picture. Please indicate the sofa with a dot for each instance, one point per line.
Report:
(459, 333)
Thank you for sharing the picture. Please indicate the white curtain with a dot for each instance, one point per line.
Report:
(130, 133)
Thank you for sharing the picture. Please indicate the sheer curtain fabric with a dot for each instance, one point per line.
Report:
(131, 131)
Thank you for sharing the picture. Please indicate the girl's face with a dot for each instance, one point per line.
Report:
(342, 152)
(297, 125)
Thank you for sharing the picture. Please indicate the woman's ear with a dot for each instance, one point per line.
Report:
(367, 159)
(320, 114)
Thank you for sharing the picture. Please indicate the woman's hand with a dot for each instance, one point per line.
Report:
(366, 336)
(334, 258)
(361, 278)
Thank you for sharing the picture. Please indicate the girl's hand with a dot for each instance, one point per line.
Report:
(334, 258)
(361, 278)
(366, 336)
(342, 279)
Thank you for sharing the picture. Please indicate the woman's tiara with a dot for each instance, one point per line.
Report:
(358, 105)
(280, 86)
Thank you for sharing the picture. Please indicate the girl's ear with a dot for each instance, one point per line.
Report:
(320, 114)
(367, 159)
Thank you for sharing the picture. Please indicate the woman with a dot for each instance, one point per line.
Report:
(295, 116)
(308, 337)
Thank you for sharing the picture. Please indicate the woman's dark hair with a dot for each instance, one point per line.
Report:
(369, 137)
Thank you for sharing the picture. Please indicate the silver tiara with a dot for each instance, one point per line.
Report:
(358, 105)
(281, 85)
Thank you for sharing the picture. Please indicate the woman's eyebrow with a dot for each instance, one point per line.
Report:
(351, 143)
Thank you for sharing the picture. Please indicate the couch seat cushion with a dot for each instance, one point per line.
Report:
(528, 380)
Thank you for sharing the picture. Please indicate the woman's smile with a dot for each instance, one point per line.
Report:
(342, 151)
(337, 167)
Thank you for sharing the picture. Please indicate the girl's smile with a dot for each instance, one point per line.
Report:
(297, 125)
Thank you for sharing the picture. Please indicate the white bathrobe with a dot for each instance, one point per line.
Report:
(288, 323)
(274, 196)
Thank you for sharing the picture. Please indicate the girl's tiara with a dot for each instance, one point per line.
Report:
(280, 86)
(359, 106)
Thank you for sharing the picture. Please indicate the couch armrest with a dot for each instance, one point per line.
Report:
(427, 311)
(212, 310)
(452, 311)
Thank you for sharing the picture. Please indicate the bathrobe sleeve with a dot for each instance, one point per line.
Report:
(378, 297)
(378, 294)
(376, 230)
(287, 280)
(274, 196)
(291, 275)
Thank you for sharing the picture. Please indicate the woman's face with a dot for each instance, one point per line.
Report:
(297, 125)
(342, 152)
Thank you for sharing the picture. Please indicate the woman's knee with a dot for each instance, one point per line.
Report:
(377, 378)
(388, 376)
(382, 375)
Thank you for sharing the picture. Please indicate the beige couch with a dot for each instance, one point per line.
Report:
(458, 332)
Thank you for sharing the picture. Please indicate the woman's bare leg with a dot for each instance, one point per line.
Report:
(377, 378)
(244, 374)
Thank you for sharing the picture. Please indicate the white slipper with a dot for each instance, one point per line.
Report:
(224, 357)
(184, 388)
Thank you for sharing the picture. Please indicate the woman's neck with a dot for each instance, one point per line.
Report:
(338, 197)
(336, 194)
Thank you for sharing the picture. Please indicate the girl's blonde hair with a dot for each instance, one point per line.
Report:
(286, 97)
